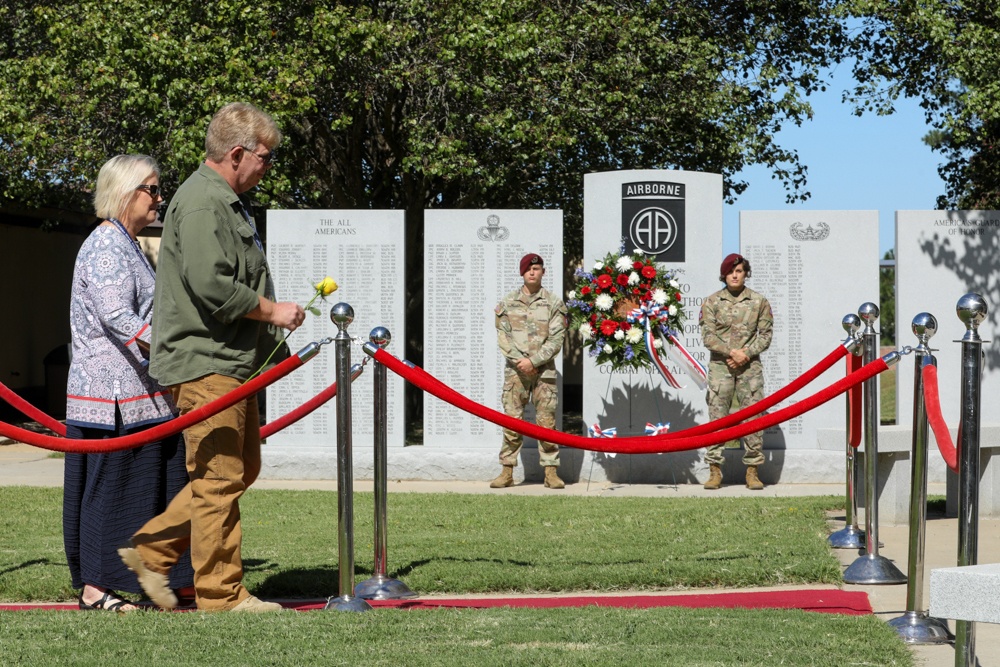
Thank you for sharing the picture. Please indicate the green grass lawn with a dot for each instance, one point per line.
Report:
(450, 543)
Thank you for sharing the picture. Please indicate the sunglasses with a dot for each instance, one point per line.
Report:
(268, 158)
(153, 190)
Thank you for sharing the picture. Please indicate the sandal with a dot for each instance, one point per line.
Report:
(110, 601)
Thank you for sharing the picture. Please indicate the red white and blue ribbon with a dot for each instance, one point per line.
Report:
(686, 360)
(647, 315)
(658, 428)
(597, 432)
(654, 355)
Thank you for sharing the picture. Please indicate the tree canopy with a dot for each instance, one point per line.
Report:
(409, 104)
(945, 53)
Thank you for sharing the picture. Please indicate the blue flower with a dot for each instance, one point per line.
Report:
(629, 354)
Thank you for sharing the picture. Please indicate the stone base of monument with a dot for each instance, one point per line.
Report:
(479, 462)
(894, 447)
(966, 593)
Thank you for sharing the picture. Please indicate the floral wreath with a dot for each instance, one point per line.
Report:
(618, 302)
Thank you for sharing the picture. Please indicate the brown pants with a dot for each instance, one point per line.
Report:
(223, 459)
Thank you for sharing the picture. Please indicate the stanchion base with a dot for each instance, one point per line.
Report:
(847, 538)
(915, 627)
(869, 569)
(381, 587)
(346, 603)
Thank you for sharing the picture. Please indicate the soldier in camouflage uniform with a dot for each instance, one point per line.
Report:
(736, 325)
(531, 324)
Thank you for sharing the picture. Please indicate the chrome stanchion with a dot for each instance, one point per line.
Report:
(915, 626)
(342, 315)
(850, 536)
(381, 586)
(870, 567)
(971, 309)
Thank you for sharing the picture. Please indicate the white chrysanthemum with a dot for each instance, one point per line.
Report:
(672, 310)
(633, 278)
(659, 296)
(619, 335)
(572, 294)
(634, 335)
(604, 302)
(598, 267)
(658, 344)
(586, 331)
(673, 283)
(623, 264)
(607, 349)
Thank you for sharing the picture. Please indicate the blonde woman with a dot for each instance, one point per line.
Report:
(107, 497)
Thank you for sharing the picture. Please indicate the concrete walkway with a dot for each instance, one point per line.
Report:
(23, 465)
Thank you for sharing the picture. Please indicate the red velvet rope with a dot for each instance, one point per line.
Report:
(932, 399)
(854, 401)
(636, 445)
(29, 410)
(159, 432)
(303, 410)
(767, 401)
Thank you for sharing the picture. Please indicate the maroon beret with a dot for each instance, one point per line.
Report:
(530, 260)
(730, 262)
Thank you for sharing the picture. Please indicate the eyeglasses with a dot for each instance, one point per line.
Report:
(153, 190)
(267, 159)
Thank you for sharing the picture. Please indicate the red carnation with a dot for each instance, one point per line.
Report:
(585, 290)
(636, 265)
(622, 279)
(649, 272)
(678, 295)
(608, 327)
(625, 326)
(604, 281)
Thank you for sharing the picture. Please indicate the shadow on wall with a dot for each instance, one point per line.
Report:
(976, 268)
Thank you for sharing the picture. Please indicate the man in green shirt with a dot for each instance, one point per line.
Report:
(214, 312)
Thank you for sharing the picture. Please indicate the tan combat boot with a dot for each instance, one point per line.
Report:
(552, 480)
(505, 479)
(753, 482)
(714, 477)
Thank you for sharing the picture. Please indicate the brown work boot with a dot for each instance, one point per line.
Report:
(254, 605)
(753, 482)
(552, 480)
(156, 585)
(714, 477)
(505, 479)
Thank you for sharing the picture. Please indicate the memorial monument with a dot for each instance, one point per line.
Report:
(363, 251)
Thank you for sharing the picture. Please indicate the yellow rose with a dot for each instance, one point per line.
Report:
(327, 286)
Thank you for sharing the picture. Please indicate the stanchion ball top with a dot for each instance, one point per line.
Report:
(924, 325)
(868, 312)
(851, 324)
(342, 314)
(971, 309)
(380, 336)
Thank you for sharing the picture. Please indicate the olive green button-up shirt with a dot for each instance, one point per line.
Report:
(736, 322)
(211, 271)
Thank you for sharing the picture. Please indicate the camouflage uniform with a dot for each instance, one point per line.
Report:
(731, 323)
(532, 326)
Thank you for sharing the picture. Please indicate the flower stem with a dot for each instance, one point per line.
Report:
(280, 343)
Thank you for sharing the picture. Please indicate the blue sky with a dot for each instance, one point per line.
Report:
(855, 163)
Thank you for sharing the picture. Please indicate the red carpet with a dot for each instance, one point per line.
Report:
(829, 601)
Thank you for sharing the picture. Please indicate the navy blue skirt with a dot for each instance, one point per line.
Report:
(108, 497)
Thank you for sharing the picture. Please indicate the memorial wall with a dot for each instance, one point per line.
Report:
(675, 216)
(363, 251)
(471, 261)
(940, 256)
(814, 267)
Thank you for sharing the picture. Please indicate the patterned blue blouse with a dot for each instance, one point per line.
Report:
(111, 305)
